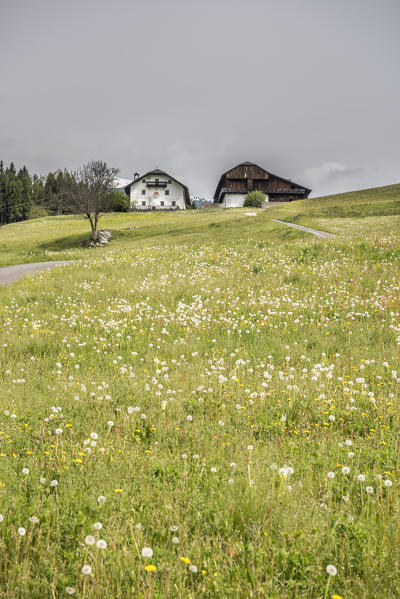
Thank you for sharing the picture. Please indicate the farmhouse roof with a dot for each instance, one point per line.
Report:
(157, 171)
(247, 163)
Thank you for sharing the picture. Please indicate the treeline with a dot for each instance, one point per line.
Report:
(15, 194)
(24, 196)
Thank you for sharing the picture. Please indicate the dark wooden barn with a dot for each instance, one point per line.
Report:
(247, 176)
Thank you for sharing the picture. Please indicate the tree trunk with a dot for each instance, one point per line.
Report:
(93, 224)
(96, 220)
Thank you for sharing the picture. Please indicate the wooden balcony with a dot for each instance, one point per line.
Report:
(288, 191)
(156, 183)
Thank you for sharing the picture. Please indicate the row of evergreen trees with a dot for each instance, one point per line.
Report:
(23, 196)
(15, 194)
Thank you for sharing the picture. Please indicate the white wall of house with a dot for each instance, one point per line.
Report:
(146, 198)
(233, 200)
(236, 200)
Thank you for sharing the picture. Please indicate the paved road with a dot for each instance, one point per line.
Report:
(320, 234)
(8, 274)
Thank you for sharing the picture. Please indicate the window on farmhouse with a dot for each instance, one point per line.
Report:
(143, 192)
(143, 203)
(162, 202)
(167, 192)
(173, 203)
(169, 180)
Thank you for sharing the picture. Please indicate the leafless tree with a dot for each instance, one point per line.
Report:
(91, 193)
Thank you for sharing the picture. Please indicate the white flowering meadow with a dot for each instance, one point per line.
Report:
(210, 409)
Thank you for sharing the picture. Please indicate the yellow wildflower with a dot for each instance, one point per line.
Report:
(150, 568)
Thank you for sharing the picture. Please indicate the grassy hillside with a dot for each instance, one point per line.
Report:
(67, 237)
(208, 407)
(354, 212)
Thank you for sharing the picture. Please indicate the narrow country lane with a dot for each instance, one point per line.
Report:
(320, 234)
(9, 274)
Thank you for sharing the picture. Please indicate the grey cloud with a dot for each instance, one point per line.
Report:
(195, 88)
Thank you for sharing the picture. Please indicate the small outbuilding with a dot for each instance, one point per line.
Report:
(156, 190)
(247, 176)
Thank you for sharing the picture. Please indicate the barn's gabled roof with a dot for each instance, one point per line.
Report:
(157, 171)
(247, 163)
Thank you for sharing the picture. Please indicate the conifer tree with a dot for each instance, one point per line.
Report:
(3, 204)
(11, 171)
(26, 193)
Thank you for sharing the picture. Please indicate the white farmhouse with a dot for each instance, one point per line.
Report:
(157, 190)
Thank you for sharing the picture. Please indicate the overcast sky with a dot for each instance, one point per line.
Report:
(308, 89)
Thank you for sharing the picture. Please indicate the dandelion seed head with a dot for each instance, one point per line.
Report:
(90, 540)
(70, 590)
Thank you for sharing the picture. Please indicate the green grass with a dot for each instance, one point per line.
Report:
(354, 211)
(67, 237)
(279, 347)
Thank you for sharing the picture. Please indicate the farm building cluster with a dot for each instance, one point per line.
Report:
(157, 190)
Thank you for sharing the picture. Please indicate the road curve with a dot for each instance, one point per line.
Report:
(320, 234)
(9, 274)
